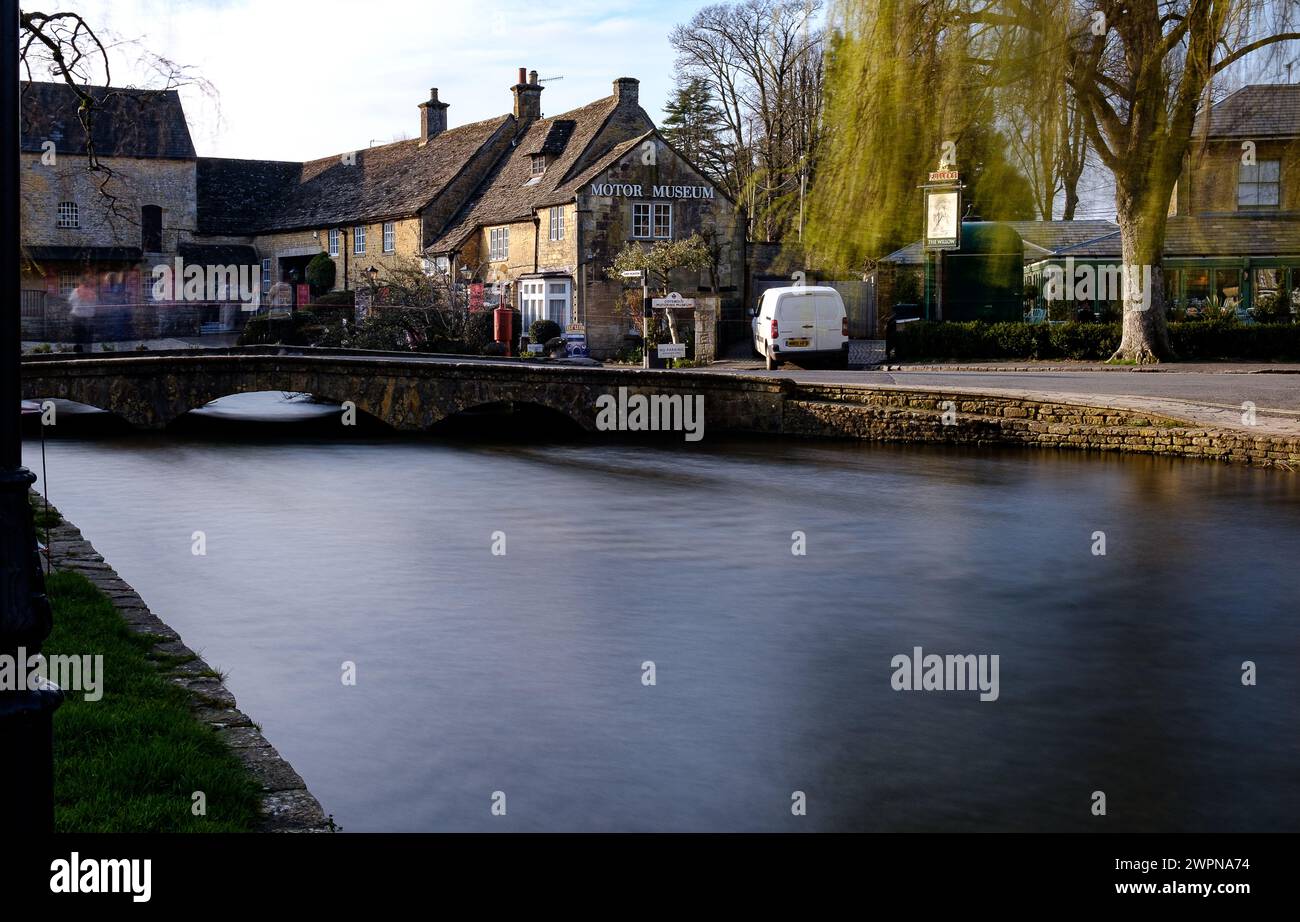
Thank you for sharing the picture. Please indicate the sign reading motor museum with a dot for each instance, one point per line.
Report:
(636, 190)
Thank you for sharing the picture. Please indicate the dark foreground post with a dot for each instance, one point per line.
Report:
(26, 715)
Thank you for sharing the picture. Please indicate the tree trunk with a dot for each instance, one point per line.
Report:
(1071, 200)
(1145, 339)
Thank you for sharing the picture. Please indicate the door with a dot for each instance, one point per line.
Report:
(830, 321)
(532, 302)
(797, 321)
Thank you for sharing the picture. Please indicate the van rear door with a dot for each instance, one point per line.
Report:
(830, 320)
(797, 321)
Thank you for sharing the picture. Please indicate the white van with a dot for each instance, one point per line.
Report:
(802, 322)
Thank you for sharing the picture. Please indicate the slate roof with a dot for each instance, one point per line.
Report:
(389, 181)
(1256, 111)
(1042, 239)
(1232, 235)
(127, 123)
(509, 192)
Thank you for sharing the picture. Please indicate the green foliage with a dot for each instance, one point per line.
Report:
(693, 125)
(661, 259)
(289, 331)
(320, 272)
(543, 331)
(336, 299)
(131, 761)
(1195, 340)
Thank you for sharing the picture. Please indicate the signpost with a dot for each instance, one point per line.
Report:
(672, 350)
(942, 192)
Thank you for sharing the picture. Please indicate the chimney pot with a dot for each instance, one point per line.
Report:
(528, 96)
(532, 77)
(433, 117)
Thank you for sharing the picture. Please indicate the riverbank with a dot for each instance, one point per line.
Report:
(166, 729)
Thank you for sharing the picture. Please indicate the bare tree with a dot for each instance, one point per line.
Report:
(762, 63)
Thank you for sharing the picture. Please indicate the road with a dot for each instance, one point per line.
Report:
(1271, 393)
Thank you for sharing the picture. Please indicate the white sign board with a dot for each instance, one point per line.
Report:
(672, 350)
(674, 300)
(536, 347)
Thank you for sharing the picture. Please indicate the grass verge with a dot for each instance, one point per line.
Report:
(132, 761)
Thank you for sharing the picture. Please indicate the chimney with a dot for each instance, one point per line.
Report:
(433, 117)
(528, 96)
(625, 91)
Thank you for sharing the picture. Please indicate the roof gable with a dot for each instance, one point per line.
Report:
(127, 123)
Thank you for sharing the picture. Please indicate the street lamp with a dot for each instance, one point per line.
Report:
(27, 714)
(371, 275)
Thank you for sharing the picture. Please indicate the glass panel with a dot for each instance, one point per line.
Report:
(1270, 170)
(1268, 194)
(1248, 194)
(1227, 290)
(1174, 305)
(1196, 286)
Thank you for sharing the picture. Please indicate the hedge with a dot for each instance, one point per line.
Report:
(1197, 340)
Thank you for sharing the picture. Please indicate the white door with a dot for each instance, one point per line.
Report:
(830, 321)
(532, 302)
(558, 301)
(797, 321)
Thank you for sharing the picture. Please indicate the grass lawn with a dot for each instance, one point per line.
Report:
(132, 761)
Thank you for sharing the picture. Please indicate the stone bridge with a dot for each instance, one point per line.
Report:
(410, 393)
(413, 393)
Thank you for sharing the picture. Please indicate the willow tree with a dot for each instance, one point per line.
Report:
(1140, 71)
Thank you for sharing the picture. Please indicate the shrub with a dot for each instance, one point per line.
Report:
(478, 331)
(1219, 338)
(544, 330)
(336, 299)
(320, 272)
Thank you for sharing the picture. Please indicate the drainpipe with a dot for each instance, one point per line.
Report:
(343, 245)
(26, 715)
(537, 241)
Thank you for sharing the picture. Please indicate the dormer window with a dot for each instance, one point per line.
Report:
(539, 164)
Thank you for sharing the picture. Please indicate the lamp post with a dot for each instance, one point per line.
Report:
(26, 714)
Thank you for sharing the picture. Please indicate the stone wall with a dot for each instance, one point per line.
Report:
(152, 390)
(1209, 181)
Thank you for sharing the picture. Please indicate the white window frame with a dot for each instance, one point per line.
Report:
(359, 240)
(498, 244)
(557, 222)
(334, 241)
(66, 215)
(266, 275)
(1258, 185)
(390, 236)
(642, 212)
(68, 282)
(536, 169)
(665, 208)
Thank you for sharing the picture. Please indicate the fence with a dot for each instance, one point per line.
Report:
(49, 320)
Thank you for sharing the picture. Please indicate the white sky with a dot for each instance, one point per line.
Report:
(297, 80)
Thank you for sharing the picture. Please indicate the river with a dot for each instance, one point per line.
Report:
(523, 672)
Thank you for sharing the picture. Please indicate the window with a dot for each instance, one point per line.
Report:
(151, 229)
(334, 241)
(652, 220)
(359, 240)
(557, 223)
(67, 283)
(1259, 185)
(664, 221)
(641, 220)
(539, 164)
(390, 232)
(68, 214)
(498, 244)
(266, 276)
